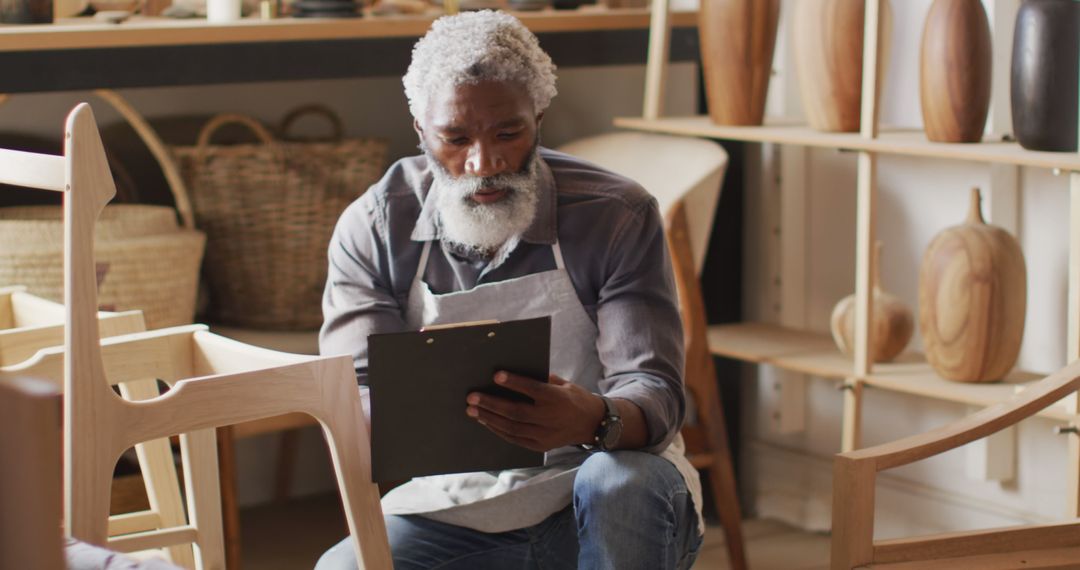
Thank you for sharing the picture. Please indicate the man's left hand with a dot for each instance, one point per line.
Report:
(562, 413)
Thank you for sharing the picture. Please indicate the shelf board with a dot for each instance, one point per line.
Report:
(889, 141)
(815, 354)
(139, 31)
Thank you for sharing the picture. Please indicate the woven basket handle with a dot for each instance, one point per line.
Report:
(337, 129)
(157, 149)
(223, 119)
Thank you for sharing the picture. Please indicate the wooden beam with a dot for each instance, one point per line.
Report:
(1034, 537)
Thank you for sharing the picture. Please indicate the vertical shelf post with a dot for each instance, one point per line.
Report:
(864, 229)
(1072, 350)
(657, 61)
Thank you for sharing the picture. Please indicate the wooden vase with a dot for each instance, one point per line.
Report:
(26, 11)
(737, 40)
(972, 300)
(828, 40)
(955, 67)
(891, 321)
(1045, 78)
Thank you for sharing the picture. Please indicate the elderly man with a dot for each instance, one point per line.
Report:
(485, 224)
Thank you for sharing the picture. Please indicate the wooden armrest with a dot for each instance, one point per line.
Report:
(250, 395)
(986, 422)
(215, 354)
(19, 344)
(162, 353)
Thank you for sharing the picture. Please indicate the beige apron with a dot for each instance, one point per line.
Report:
(499, 501)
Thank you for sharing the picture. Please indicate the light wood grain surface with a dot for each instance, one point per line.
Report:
(972, 299)
(815, 353)
(85, 33)
(737, 41)
(889, 141)
(955, 71)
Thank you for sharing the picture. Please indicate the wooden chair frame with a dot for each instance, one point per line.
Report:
(706, 439)
(38, 324)
(29, 323)
(217, 382)
(1032, 546)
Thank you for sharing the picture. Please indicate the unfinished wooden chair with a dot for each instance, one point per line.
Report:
(215, 382)
(1033, 546)
(684, 174)
(30, 478)
(28, 324)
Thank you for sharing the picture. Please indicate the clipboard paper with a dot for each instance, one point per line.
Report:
(419, 381)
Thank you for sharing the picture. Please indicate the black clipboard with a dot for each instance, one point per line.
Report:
(419, 381)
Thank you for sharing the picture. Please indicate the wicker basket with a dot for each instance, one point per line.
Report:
(152, 264)
(269, 210)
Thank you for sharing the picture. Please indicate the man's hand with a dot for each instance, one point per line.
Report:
(562, 413)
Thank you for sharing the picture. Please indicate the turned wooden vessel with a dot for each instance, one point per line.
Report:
(955, 67)
(890, 320)
(737, 41)
(972, 300)
(1045, 78)
(828, 39)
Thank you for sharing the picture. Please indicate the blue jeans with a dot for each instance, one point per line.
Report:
(631, 510)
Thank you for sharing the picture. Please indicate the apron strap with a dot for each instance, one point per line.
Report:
(557, 251)
(420, 267)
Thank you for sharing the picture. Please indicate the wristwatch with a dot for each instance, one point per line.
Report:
(610, 428)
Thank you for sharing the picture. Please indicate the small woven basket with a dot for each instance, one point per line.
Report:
(150, 263)
(268, 210)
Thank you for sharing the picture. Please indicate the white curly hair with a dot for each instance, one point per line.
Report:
(472, 47)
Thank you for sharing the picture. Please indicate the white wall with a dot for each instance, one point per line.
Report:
(788, 475)
(589, 98)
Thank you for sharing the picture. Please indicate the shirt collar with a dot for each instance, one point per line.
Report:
(543, 229)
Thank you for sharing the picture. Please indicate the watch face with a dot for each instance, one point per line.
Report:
(612, 432)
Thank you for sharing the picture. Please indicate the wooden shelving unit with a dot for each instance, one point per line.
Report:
(84, 33)
(895, 142)
(815, 353)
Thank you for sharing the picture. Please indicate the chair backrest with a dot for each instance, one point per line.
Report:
(672, 169)
(82, 174)
(30, 478)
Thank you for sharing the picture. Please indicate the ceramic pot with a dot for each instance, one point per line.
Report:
(891, 321)
(26, 11)
(955, 67)
(1045, 74)
(828, 38)
(972, 300)
(737, 42)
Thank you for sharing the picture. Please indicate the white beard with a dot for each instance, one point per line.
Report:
(484, 228)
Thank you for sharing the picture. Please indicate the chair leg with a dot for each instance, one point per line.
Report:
(230, 510)
(204, 500)
(286, 463)
(159, 472)
(88, 479)
(163, 492)
(350, 450)
(725, 492)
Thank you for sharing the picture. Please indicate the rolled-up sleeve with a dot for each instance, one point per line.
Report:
(358, 299)
(641, 340)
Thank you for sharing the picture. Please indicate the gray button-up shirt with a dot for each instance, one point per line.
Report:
(612, 239)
